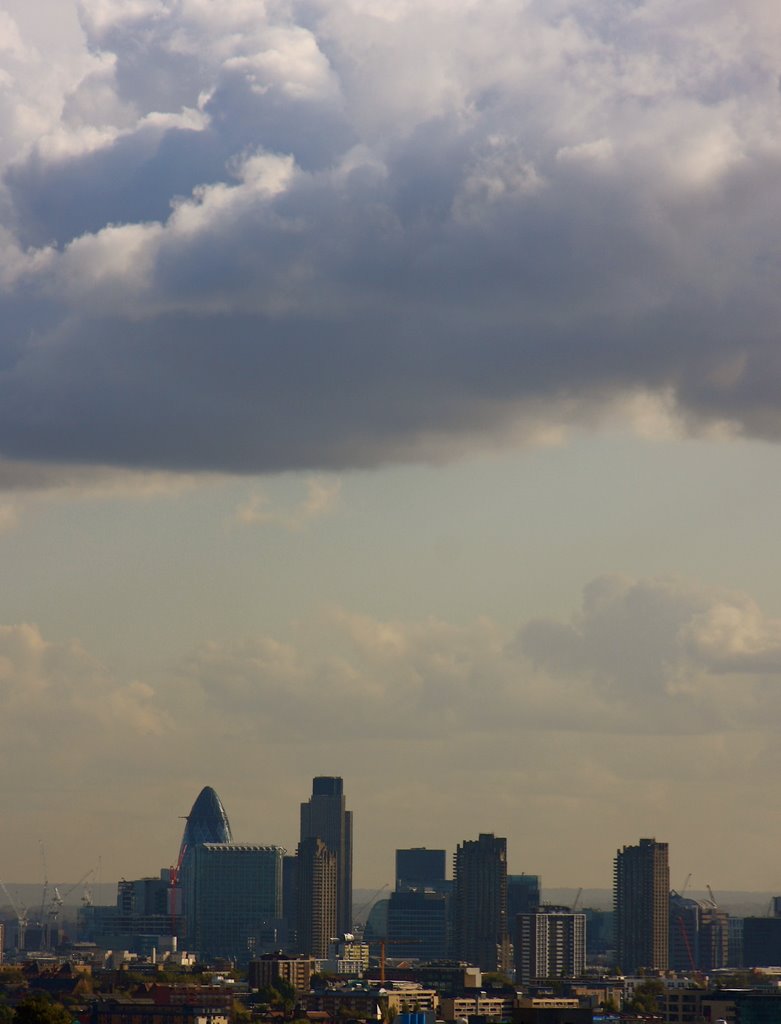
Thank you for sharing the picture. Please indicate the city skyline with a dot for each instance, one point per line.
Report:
(208, 822)
(391, 390)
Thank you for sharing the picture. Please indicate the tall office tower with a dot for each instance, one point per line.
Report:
(233, 899)
(420, 868)
(550, 943)
(316, 885)
(207, 822)
(523, 896)
(290, 900)
(417, 924)
(324, 816)
(480, 896)
(641, 895)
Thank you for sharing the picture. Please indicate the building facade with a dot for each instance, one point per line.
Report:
(480, 933)
(324, 816)
(317, 889)
(233, 899)
(550, 943)
(420, 868)
(297, 971)
(523, 895)
(641, 893)
(418, 925)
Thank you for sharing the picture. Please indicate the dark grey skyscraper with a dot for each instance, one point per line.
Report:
(420, 868)
(480, 893)
(641, 895)
(417, 924)
(324, 816)
(315, 896)
(523, 896)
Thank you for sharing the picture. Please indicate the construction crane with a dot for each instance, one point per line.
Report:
(577, 900)
(21, 917)
(55, 907)
(45, 892)
(686, 884)
(710, 893)
(686, 942)
(371, 900)
(391, 942)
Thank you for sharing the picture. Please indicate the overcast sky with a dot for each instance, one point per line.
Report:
(391, 388)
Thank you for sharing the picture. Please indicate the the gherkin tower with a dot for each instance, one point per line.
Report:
(207, 822)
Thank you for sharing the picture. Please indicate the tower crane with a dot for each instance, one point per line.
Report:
(21, 917)
(55, 906)
(45, 892)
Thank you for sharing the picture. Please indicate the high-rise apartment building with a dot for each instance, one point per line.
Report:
(550, 943)
(480, 902)
(641, 894)
(324, 816)
(316, 892)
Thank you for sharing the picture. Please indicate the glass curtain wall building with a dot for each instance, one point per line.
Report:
(233, 899)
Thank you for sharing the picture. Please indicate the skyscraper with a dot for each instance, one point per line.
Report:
(315, 896)
(523, 896)
(420, 868)
(207, 822)
(480, 893)
(641, 893)
(233, 899)
(418, 925)
(324, 817)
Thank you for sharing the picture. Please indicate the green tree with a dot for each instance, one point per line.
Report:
(648, 997)
(39, 1009)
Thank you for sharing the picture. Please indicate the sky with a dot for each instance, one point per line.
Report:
(391, 390)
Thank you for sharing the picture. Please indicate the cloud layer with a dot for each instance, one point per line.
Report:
(537, 735)
(306, 234)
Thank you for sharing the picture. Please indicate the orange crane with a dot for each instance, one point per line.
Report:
(390, 942)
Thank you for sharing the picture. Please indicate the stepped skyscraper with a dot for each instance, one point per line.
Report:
(324, 816)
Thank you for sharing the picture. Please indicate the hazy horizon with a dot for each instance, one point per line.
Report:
(738, 903)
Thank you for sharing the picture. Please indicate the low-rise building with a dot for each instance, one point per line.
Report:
(297, 971)
(481, 1004)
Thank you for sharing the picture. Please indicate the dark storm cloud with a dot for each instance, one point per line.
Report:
(390, 236)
